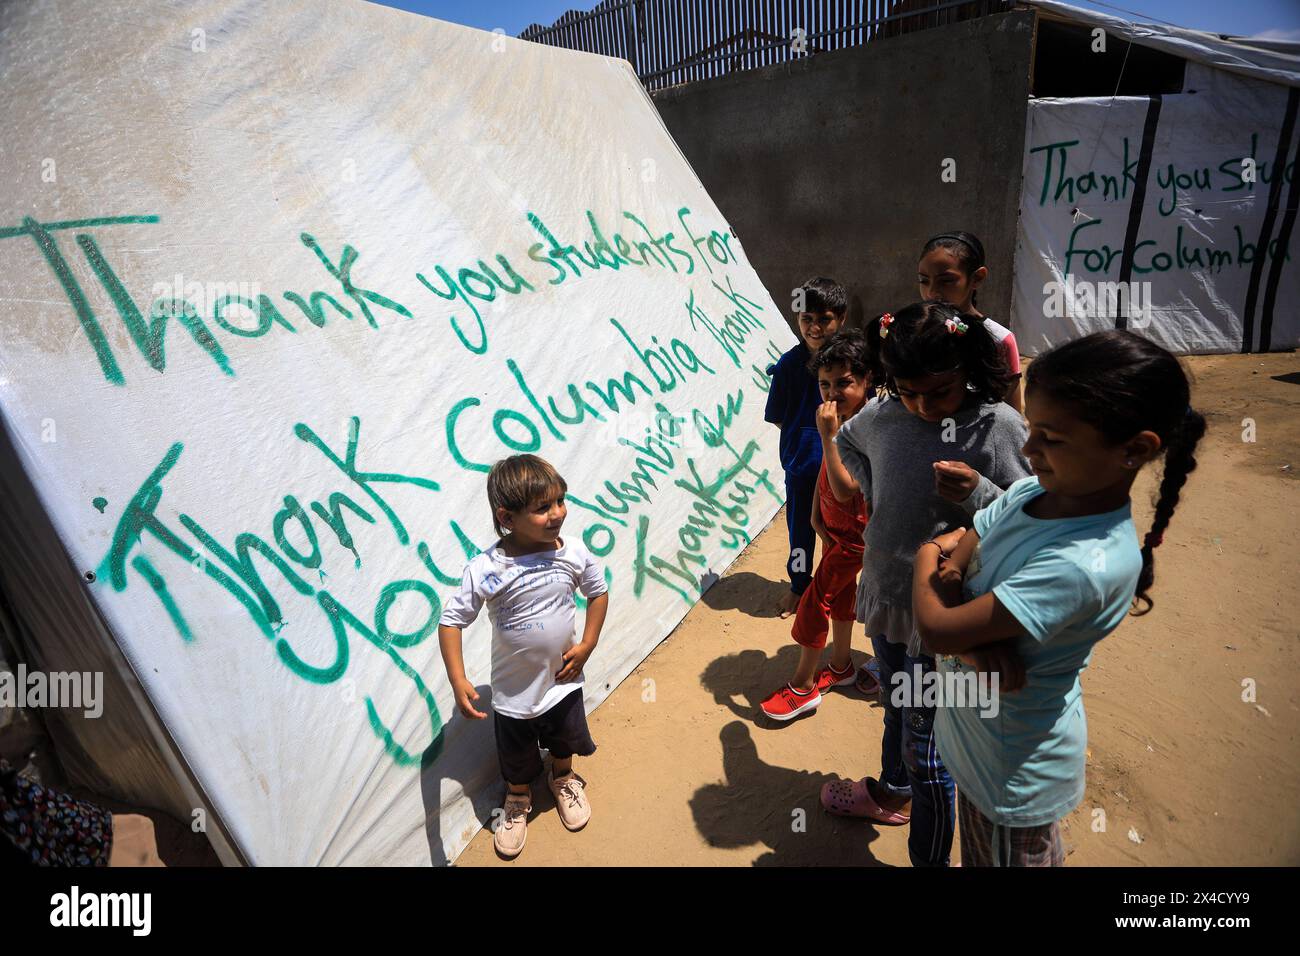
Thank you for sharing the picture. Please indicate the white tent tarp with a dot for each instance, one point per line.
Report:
(1206, 259)
(280, 280)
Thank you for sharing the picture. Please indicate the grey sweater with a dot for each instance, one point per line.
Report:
(891, 453)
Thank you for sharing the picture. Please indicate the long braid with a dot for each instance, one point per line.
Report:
(1180, 461)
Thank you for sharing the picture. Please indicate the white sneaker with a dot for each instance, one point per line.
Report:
(512, 826)
(570, 799)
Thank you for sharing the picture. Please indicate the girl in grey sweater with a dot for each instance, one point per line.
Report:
(940, 445)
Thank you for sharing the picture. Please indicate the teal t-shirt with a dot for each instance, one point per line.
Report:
(1069, 582)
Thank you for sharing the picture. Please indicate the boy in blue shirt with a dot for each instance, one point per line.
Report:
(792, 404)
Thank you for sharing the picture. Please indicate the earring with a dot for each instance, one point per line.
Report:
(1128, 462)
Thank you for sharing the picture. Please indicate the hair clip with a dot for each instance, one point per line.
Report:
(885, 321)
(956, 326)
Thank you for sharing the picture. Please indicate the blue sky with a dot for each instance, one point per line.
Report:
(1278, 18)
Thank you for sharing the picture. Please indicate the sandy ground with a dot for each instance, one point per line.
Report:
(1182, 769)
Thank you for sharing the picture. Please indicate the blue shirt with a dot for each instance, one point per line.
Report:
(792, 403)
(1069, 582)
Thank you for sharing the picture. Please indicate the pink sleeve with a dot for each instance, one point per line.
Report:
(1012, 353)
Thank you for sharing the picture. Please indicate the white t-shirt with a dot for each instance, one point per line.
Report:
(533, 614)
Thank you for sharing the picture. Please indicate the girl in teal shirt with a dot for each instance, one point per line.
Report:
(1049, 569)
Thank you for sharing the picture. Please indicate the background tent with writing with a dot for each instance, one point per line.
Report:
(1188, 200)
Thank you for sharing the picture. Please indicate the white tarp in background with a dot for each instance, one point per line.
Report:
(280, 280)
(1197, 251)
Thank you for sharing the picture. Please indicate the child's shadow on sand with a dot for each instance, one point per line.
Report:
(746, 591)
(460, 736)
(778, 807)
(741, 682)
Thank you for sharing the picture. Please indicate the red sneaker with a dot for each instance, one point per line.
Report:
(788, 703)
(829, 677)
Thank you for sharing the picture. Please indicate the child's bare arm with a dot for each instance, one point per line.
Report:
(575, 658)
(959, 559)
(946, 623)
(843, 487)
(849, 461)
(597, 608)
(452, 659)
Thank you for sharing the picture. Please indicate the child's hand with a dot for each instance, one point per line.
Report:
(949, 540)
(828, 420)
(1001, 658)
(950, 573)
(575, 658)
(465, 696)
(955, 480)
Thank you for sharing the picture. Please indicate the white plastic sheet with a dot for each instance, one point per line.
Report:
(280, 280)
(1215, 269)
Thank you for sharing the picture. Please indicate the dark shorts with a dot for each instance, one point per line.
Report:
(562, 730)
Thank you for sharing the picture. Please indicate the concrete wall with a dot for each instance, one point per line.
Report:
(831, 165)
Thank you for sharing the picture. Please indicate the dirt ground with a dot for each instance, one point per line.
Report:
(1184, 770)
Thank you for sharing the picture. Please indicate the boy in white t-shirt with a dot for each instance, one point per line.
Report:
(527, 580)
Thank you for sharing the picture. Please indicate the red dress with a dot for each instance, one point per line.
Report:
(833, 592)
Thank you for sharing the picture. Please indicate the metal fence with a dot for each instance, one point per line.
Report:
(669, 42)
